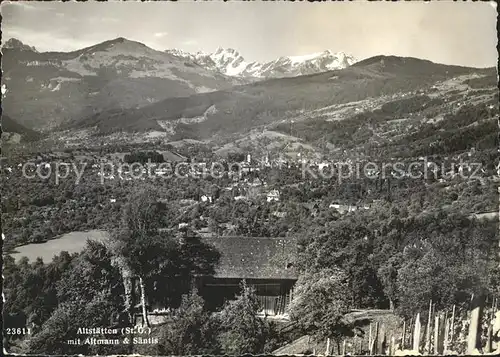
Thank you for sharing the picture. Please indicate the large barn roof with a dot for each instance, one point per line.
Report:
(254, 257)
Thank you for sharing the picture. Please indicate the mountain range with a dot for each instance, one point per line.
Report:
(46, 89)
(229, 62)
(378, 105)
(122, 91)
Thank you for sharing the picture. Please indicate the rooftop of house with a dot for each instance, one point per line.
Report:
(254, 257)
(170, 156)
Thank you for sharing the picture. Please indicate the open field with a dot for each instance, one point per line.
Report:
(73, 242)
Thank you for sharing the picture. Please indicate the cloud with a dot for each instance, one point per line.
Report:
(161, 34)
(21, 4)
(190, 43)
(24, 6)
(46, 41)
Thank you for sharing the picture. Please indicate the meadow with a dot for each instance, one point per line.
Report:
(72, 242)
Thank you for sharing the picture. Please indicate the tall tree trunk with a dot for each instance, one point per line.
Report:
(128, 287)
(143, 303)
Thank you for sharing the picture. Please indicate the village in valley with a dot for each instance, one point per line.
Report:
(158, 201)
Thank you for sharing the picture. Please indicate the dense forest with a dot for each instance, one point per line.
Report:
(418, 243)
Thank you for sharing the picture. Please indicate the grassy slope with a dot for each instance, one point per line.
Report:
(11, 126)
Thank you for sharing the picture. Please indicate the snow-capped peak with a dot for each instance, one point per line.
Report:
(304, 58)
(221, 51)
(230, 62)
(226, 56)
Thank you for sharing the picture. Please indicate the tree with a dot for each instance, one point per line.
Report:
(151, 256)
(138, 242)
(92, 273)
(348, 245)
(54, 334)
(63, 325)
(320, 302)
(190, 329)
(423, 277)
(387, 274)
(448, 261)
(242, 331)
(89, 293)
(30, 289)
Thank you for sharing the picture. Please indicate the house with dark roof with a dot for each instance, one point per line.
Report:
(265, 263)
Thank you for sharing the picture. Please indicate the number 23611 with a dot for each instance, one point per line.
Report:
(18, 331)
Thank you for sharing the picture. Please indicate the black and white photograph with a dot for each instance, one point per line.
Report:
(250, 178)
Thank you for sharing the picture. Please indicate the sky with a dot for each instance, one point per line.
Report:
(460, 33)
